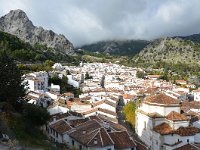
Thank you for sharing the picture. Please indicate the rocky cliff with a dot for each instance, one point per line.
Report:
(17, 23)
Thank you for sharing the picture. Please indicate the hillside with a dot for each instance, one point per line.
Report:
(23, 51)
(121, 48)
(194, 38)
(17, 23)
(170, 50)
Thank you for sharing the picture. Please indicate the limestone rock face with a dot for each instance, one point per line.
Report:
(17, 23)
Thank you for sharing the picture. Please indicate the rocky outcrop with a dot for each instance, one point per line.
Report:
(17, 23)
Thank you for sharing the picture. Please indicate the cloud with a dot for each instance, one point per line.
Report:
(88, 21)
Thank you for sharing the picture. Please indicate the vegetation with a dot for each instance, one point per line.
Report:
(11, 84)
(87, 76)
(140, 74)
(21, 119)
(34, 115)
(24, 52)
(116, 48)
(64, 86)
(129, 112)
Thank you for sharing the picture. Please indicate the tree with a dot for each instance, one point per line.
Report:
(87, 76)
(64, 85)
(82, 78)
(49, 63)
(103, 81)
(140, 74)
(11, 82)
(129, 111)
(35, 116)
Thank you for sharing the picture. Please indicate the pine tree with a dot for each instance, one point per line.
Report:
(11, 82)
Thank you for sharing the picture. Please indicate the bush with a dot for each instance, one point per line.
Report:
(35, 116)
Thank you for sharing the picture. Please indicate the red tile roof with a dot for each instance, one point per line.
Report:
(61, 126)
(163, 129)
(174, 116)
(161, 99)
(187, 131)
(188, 147)
(122, 140)
(91, 134)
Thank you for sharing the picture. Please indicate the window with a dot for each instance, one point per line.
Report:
(56, 134)
(80, 147)
(145, 125)
(156, 142)
(72, 142)
(188, 140)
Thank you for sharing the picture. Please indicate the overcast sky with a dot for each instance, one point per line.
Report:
(88, 21)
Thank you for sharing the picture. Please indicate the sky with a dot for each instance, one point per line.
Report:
(88, 21)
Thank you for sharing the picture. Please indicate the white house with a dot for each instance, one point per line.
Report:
(161, 126)
(196, 94)
(37, 81)
(72, 82)
(93, 133)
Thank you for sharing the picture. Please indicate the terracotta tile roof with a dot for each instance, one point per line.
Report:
(86, 98)
(174, 116)
(77, 122)
(191, 113)
(107, 111)
(122, 140)
(152, 115)
(91, 134)
(101, 110)
(188, 147)
(187, 131)
(163, 129)
(90, 111)
(67, 94)
(113, 126)
(198, 90)
(190, 105)
(59, 116)
(153, 76)
(104, 101)
(161, 99)
(61, 126)
(128, 96)
(114, 99)
(181, 81)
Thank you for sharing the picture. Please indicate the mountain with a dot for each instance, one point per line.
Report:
(170, 50)
(25, 52)
(17, 23)
(194, 38)
(117, 47)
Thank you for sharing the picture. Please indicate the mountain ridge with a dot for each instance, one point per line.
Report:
(171, 50)
(16, 22)
(116, 47)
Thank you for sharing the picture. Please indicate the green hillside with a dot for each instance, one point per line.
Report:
(119, 48)
(22, 51)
